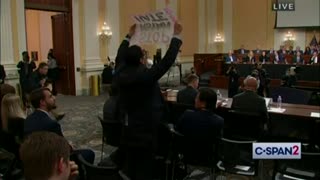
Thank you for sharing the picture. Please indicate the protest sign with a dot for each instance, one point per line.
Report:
(154, 27)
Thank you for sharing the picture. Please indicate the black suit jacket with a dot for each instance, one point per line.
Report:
(25, 69)
(249, 101)
(200, 124)
(140, 96)
(40, 121)
(33, 82)
(187, 95)
(2, 74)
(264, 58)
(247, 59)
(228, 59)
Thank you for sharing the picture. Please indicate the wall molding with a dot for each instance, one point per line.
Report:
(11, 71)
(92, 64)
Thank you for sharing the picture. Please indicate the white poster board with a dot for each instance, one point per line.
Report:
(154, 27)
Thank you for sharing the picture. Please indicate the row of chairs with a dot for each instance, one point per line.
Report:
(232, 153)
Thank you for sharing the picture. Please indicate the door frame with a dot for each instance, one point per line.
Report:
(64, 6)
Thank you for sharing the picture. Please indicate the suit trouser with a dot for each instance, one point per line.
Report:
(87, 154)
(140, 163)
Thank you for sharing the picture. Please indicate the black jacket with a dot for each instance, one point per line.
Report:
(187, 95)
(41, 121)
(140, 96)
(201, 124)
(251, 102)
(2, 74)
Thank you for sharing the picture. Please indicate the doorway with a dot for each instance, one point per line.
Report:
(49, 26)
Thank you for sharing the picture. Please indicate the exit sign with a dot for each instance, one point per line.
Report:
(283, 5)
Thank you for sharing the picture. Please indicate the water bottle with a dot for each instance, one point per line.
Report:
(279, 101)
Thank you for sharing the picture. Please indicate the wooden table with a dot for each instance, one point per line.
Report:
(295, 122)
(290, 109)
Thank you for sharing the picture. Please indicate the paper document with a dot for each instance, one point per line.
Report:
(276, 110)
(268, 101)
(243, 168)
(315, 114)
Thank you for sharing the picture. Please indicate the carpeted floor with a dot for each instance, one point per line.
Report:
(82, 128)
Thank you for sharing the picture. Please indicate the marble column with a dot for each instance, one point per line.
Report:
(112, 17)
(7, 48)
(6, 33)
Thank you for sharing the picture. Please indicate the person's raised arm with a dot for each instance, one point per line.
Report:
(158, 70)
(120, 58)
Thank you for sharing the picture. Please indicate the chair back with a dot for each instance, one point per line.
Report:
(93, 172)
(291, 95)
(111, 132)
(236, 152)
(243, 125)
(177, 109)
(196, 151)
(305, 168)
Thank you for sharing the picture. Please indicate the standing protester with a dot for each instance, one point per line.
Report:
(141, 102)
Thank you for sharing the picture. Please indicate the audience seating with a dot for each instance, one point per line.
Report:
(110, 134)
(308, 166)
(193, 151)
(235, 156)
(305, 168)
(291, 95)
(176, 110)
(92, 172)
(243, 125)
(10, 167)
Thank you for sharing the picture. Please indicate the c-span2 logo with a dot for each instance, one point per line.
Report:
(276, 150)
(283, 5)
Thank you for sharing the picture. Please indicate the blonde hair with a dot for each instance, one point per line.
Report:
(11, 107)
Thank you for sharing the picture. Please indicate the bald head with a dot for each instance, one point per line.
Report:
(250, 83)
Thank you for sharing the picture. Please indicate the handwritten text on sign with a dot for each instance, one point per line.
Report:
(153, 27)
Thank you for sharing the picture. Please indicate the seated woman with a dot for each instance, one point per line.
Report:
(307, 51)
(5, 89)
(12, 116)
(250, 59)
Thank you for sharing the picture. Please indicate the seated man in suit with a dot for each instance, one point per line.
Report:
(42, 120)
(249, 100)
(202, 123)
(188, 94)
(230, 57)
(298, 49)
(298, 58)
(45, 155)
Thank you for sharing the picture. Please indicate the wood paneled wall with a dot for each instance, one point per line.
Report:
(50, 5)
(253, 23)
